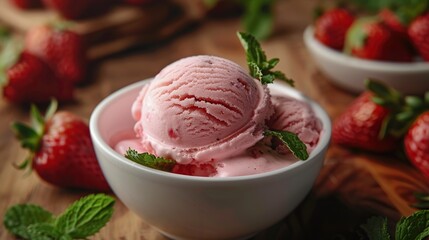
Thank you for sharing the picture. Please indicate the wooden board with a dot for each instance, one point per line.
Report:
(121, 27)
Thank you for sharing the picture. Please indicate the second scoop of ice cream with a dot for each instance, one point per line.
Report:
(201, 108)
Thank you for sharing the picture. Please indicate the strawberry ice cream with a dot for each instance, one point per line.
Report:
(201, 108)
(209, 113)
(296, 116)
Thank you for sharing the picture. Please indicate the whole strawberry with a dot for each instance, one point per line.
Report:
(62, 48)
(61, 150)
(369, 38)
(360, 126)
(418, 32)
(416, 143)
(26, 4)
(371, 122)
(331, 27)
(394, 22)
(25, 78)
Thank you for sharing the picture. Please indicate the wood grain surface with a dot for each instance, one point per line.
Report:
(211, 36)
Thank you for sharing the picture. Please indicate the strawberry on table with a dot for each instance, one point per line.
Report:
(25, 78)
(364, 124)
(416, 143)
(418, 32)
(331, 27)
(62, 48)
(370, 38)
(61, 150)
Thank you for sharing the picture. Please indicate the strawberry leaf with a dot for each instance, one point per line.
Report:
(9, 55)
(19, 217)
(86, 216)
(291, 140)
(150, 160)
(37, 120)
(29, 138)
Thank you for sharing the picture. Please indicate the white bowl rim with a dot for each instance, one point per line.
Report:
(373, 65)
(96, 136)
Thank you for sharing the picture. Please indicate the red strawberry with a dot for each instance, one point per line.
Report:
(331, 27)
(62, 150)
(418, 32)
(61, 48)
(360, 125)
(369, 38)
(26, 4)
(416, 143)
(370, 122)
(26, 78)
(202, 170)
(394, 23)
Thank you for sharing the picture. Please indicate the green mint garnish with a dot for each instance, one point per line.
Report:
(80, 220)
(414, 227)
(149, 160)
(258, 17)
(376, 228)
(19, 218)
(291, 140)
(259, 67)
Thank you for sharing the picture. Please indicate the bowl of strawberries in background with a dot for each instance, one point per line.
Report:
(349, 47)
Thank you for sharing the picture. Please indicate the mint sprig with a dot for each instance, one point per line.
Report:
(376, 228)
(414, 227)
(259, 67)
(292, 141)
(82, 219)
(149, 160)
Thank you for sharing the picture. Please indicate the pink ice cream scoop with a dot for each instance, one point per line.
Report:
(297, 117)
(201, 108)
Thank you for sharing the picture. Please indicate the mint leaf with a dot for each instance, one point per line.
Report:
(414, 227)
(150, 160)
(45, 231)
(259, 67)
(258, 17)
(376, 228)
(86, 216)
(19, 217)
(291, 140)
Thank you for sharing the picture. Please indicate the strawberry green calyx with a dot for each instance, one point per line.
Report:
(9, 54)
(259, 66)
(31, 136)
(408, 10)
(150, 160)
(61, 25)
(356, 35)
(403, 109)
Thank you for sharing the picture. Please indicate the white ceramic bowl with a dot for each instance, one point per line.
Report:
(350, 72)
(188, 207)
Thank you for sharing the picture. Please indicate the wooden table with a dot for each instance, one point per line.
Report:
(212, 36)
